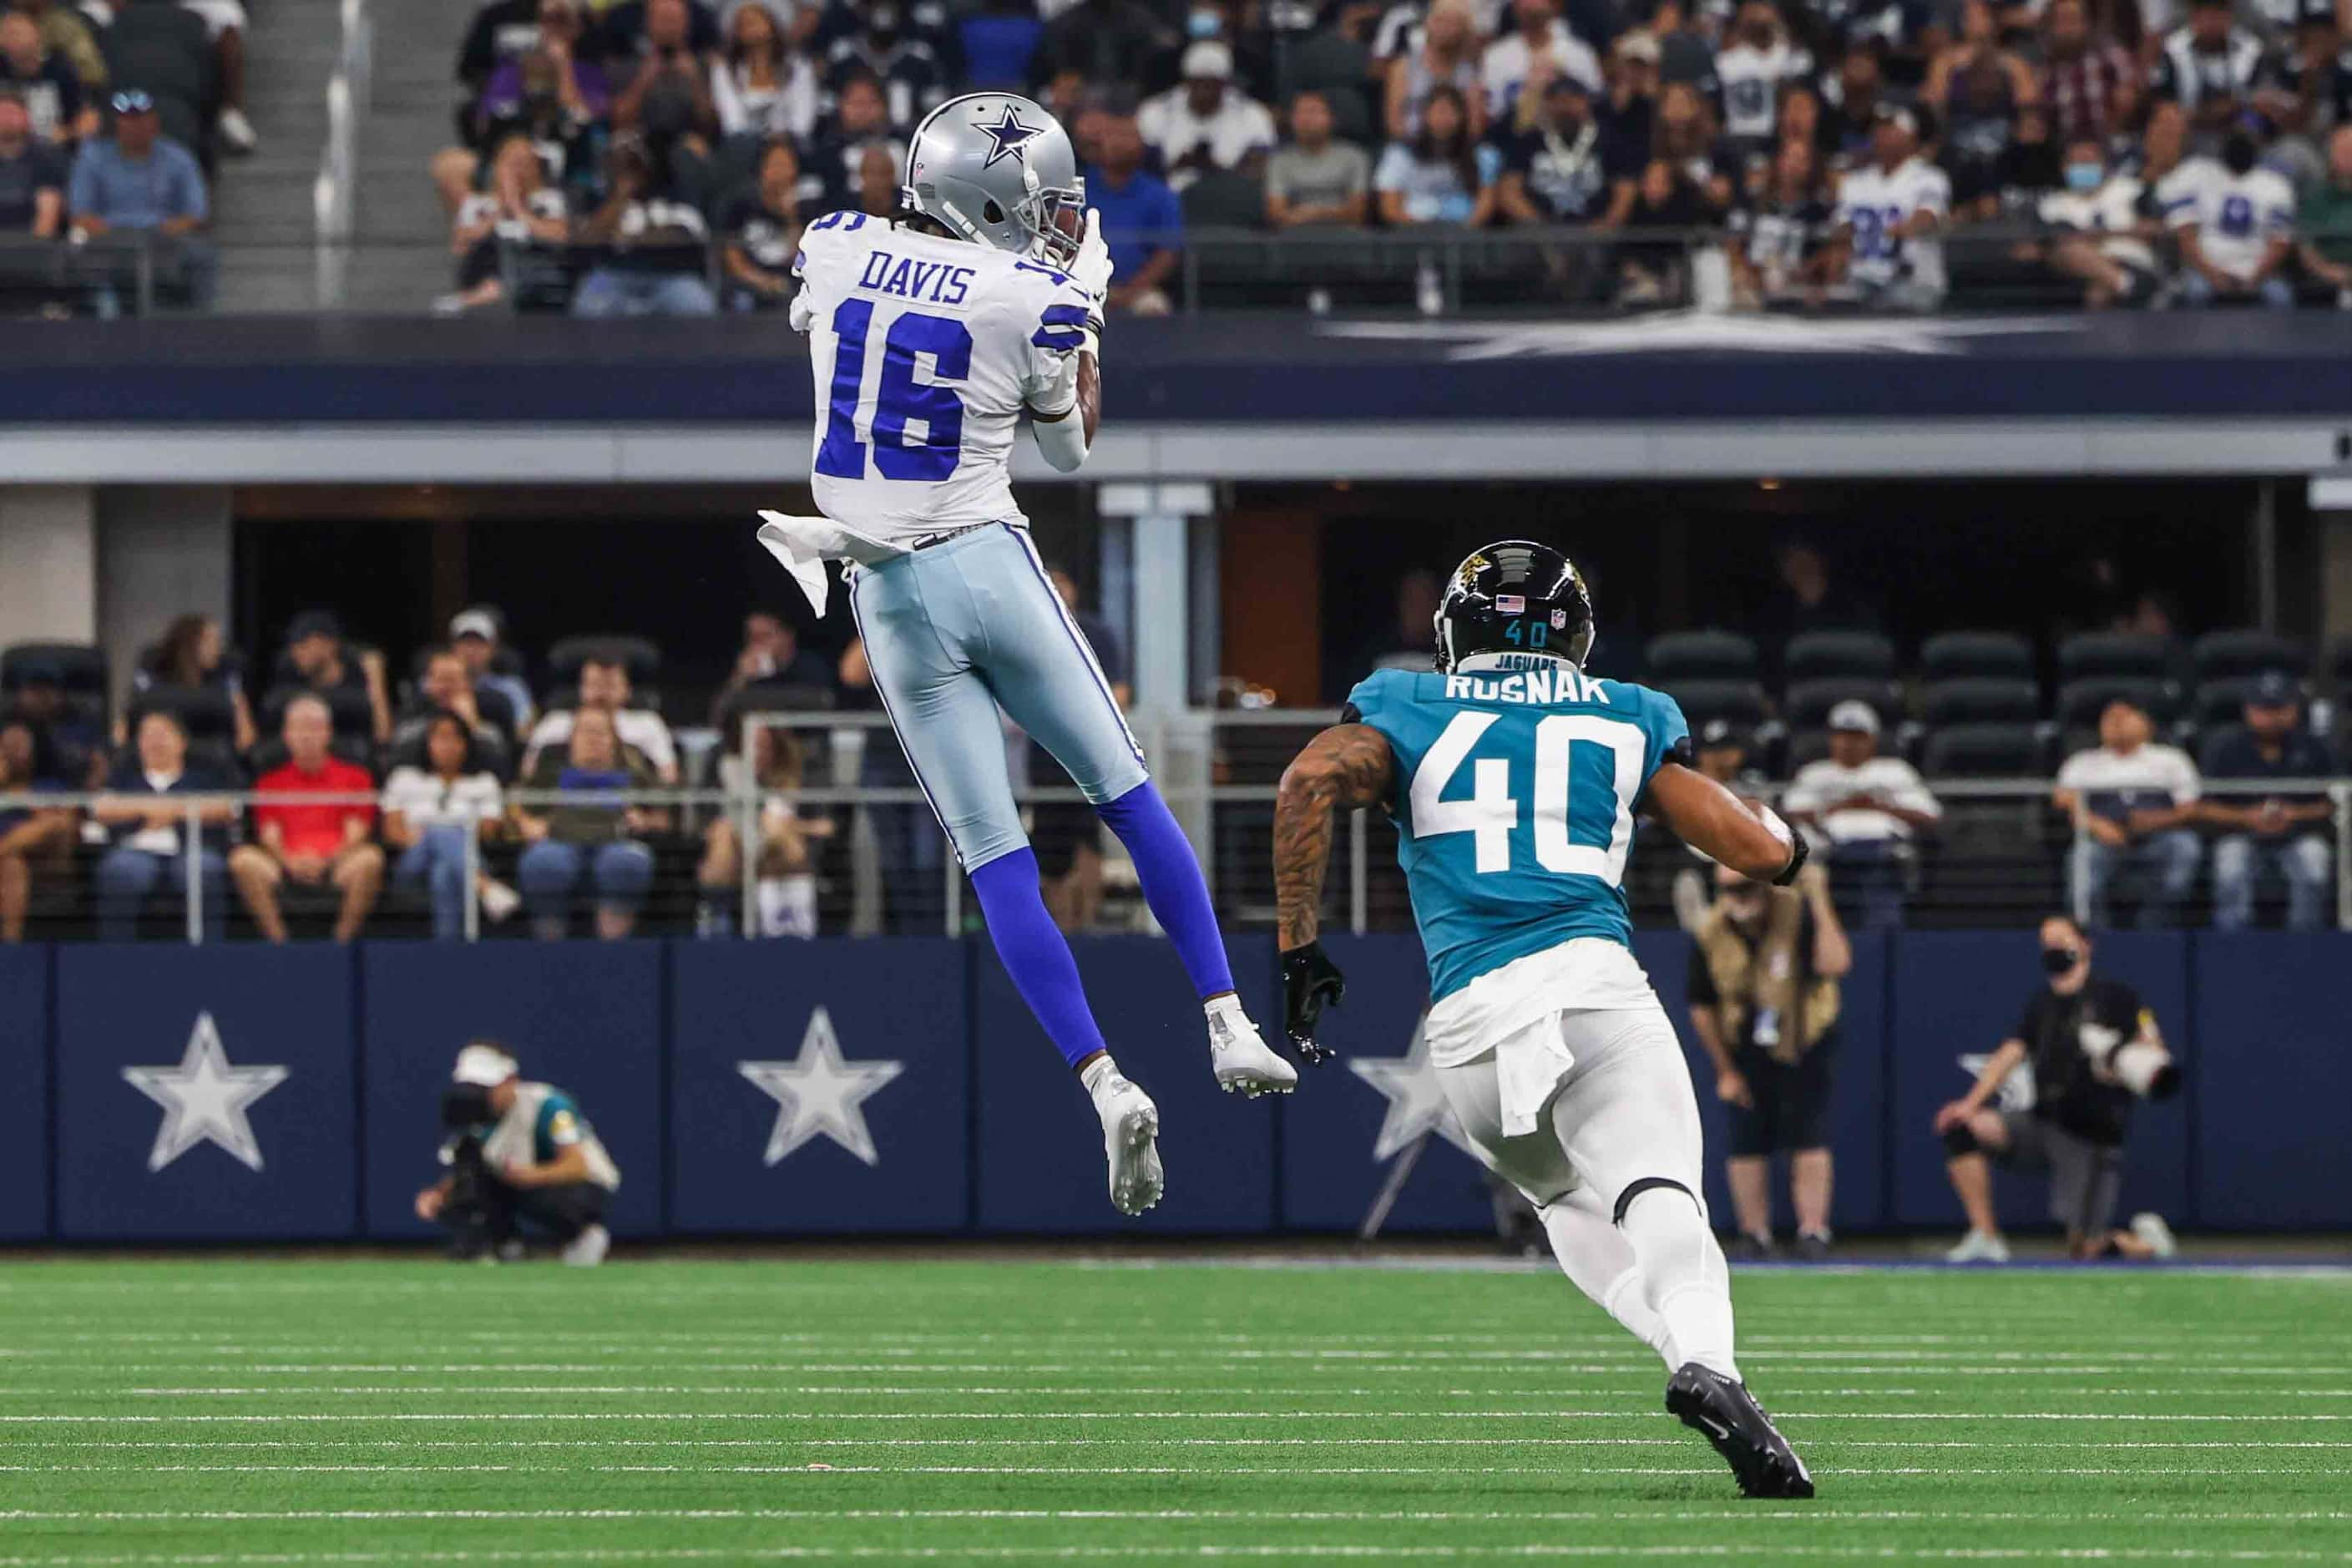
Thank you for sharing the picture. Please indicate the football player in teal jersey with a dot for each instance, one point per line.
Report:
(1513, 777)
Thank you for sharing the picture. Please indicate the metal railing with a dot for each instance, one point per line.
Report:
(1998, 858)
(334, 195)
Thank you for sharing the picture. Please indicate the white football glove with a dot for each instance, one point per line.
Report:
(1091, 271)
(802, 311)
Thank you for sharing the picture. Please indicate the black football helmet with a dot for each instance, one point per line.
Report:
(1517, 597)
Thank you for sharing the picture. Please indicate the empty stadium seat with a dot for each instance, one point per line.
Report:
(1980, 701)
(1710, 654)
(1985, 751)
(640, 657)
(1741, 701)
(2222, 655)
(2080, 702)
(1839, 656)
(2097, 655)
(206, 712)
(1807, 704)
(80, 668)
(1976, 656)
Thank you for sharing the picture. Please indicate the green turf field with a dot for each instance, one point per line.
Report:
(241, 1412)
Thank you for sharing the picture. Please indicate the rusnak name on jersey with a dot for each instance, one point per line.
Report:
(1541, 681)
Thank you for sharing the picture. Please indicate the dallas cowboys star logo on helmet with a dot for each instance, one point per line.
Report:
(1009, 136)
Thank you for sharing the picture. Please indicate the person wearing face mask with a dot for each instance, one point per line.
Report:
(2094, 1047)
(1764, 971)
(1204, 124)
(892, 48)
(2235, 239)
(2094, 223)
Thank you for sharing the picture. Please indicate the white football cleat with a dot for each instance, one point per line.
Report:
(1130, 1133)
(2155, 1235)
(588, 1248)
(1240, 1057)
(1978, 1247)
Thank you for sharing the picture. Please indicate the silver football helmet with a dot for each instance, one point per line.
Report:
(996, 169)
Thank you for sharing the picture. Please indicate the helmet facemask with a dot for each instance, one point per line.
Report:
(1055, 219)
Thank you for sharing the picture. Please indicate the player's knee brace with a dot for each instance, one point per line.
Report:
(1634, 1189)
(1961, 1139)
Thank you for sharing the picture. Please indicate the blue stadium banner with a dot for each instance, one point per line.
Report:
(822, 1086)
(1957, 995)
(25, 1109)
(1358, 1114)
(1857, 1125)
(204, 1093)
(2269, 1080)
(1041, 1150)
(584, 1016)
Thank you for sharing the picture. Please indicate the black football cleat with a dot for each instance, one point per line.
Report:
(1722, 1408)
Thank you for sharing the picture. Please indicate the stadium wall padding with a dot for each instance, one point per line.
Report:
(167, 1094)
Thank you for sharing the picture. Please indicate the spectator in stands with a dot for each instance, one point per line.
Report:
(668, 96)
(1564, 168)
(999, 40)
(76, 745)
(46, 83)
(1810, 598)
(1889, 214)
(2096, 229)
(2090, 83)
(192, 656)
(759, 85)
(1869, 809)
(1442, 174)
(31, 178)
(2216, 71)
(2132, 802)
(324, 664)
(500, 31)
(1204, 124)
(1763, 983)
(1851, 97)
(878, 172)
(521, 210)
(1538, 51)
(1976, 88)
(2285, 833)
(1108, 43)
(475, 633)
(772, 655)
(1629, 113)
(654, 265)
(882, 46)
(446, 687)
(431, 810)
(860, 120)
(1142, 222)
(761, 233)
(551, 77)
(1314, 179)
(594, 843)
(2324, 220)
(1447, 55)
(1758, 62)
(34, 840)
(605, 689)
(784, 879)
(65, 31)
(1780, 237)
(225, 25)
(635, 29)
(2238, 235)
(325, 846)
(141, 181)
(529, 65)
(1721, 750)
(1652, 264)
(148, 826)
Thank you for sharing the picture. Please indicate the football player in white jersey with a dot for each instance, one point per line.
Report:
(1889, 213)
(931, 334)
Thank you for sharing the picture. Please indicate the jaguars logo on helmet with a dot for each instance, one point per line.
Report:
(1516, 597)
(996, 169)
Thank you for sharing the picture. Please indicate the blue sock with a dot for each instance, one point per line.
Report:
(1172, 884)
(1035, 953)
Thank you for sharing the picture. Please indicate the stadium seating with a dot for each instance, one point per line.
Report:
(1839, 656)
(2097, 655)
(1807, 704)
(1973, 655)
(206, 712)
(1981, 699)
(1984, 751)
(640, 657)
(1711, 655)
(1740, 702)
(2222, 656)
(80, 671)
(2081, 700)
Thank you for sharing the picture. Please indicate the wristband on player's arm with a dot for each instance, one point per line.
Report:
(1799, 853)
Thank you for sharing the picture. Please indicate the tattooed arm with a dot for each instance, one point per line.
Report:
(1347, 765)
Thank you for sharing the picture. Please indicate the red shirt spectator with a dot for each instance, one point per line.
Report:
(309, 828)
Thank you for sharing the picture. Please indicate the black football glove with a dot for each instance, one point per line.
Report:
(1310, 980)
(1799, 853)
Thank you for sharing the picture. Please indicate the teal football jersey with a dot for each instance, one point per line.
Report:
(1515, 795)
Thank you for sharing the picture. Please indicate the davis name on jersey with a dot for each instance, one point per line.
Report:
(1515, 801)
(925, 350)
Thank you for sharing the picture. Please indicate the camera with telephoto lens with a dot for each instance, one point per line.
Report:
(2143, 1068)
(465, 1115)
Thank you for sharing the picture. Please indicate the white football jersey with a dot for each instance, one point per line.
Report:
(2238, 216)
(1871, 202)
(925, 350)
(1750, 80)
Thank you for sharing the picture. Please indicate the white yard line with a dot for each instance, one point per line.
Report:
(59, 1418)
(820, 1471)
(1821, 1513)
(501, 1444)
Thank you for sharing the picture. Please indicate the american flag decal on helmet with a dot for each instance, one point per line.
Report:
(1510, 604)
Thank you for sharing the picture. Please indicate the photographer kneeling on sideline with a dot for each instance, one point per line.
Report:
(1763, 990)
(517, 1152)
(2093, 1049)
